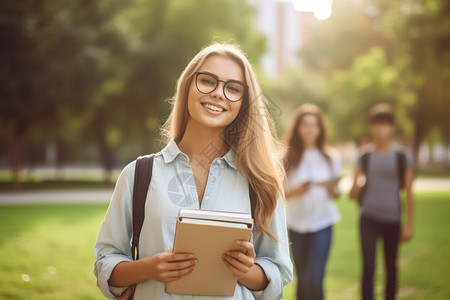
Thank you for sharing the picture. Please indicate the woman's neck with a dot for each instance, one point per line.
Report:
(309, 146)
(203, 143)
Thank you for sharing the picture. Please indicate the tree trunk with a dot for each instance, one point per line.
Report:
(431, 158)
(418, 136)
(61, 158)
(106, 152)
(421, 125)
(447, 149)
(17, 155)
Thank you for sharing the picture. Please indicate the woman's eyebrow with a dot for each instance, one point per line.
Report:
(211, 73)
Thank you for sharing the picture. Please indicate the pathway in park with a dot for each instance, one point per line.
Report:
(104, 195)
(57, 196)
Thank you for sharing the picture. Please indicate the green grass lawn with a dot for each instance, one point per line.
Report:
(47, 252)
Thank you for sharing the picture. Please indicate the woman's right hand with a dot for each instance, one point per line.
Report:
(355, 192)
(299, 190)
(163, 267)
(168, 266)
(356, 189)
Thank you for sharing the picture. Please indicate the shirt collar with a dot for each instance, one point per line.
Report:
(171, 151)
(230, 158)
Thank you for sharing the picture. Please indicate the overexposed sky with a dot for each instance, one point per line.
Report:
(321, 8)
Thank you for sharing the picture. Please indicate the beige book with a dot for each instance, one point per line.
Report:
(329, 183)
(208, 235)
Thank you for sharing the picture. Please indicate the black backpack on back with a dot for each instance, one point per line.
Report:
(400, 159)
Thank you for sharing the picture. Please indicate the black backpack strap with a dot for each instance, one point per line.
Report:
(365, 169)
(401, 167)
(253, 197)
(365, 163)
(142, 177)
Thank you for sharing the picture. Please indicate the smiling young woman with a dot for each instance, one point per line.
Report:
(219, 142)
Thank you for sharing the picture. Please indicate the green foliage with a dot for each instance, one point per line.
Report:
(335, 42)
(377, 51)
(164, 36)
(100, 71)
(48, 58)
(53, 57)
(369, 81)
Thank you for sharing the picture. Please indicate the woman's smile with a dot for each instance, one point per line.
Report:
(213, 108)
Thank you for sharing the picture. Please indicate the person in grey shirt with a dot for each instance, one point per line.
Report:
(388, 169)
(380, 199)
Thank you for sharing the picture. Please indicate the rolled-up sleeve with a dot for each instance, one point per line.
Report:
(273, 256)
(113, 242)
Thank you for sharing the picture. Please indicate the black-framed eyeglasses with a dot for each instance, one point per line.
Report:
(234, 90)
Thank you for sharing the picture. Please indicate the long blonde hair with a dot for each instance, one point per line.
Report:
(251, 135)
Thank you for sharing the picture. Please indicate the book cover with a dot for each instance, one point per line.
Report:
(209, 234)
(329, 183)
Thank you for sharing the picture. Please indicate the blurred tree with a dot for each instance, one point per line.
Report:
(420, 33)
(162, 36)
(376, 50)
(99, 71)
(346, 95)
(349, 32)
(340, 70)
(293, 88)
(45, 67)
(353, 92)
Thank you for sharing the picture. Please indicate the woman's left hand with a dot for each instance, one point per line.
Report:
(406, 233)
(240, 262)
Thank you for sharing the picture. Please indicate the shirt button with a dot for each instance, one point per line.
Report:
(206, 198)
(219, 161)
(213, 177)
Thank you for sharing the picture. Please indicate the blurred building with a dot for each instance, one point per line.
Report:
(286, 29)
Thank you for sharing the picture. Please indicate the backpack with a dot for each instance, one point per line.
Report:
(400, 159)
(142, 178)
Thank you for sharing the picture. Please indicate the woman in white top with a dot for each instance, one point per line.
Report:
(312, 170)
(219, 141)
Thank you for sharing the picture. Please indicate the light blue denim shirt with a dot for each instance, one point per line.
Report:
(172, 186)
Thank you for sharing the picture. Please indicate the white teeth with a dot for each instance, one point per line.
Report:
(215, 108)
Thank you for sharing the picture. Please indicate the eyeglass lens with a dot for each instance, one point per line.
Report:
(233, 90)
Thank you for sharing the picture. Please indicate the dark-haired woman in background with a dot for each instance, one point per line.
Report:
(313, 170)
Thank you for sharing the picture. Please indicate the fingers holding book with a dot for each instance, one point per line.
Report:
(168, 266)
(240, 261)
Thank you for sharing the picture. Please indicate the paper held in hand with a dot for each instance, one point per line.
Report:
(329, 183)
(208, 235)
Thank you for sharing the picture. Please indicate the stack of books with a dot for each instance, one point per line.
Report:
(208, 235)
